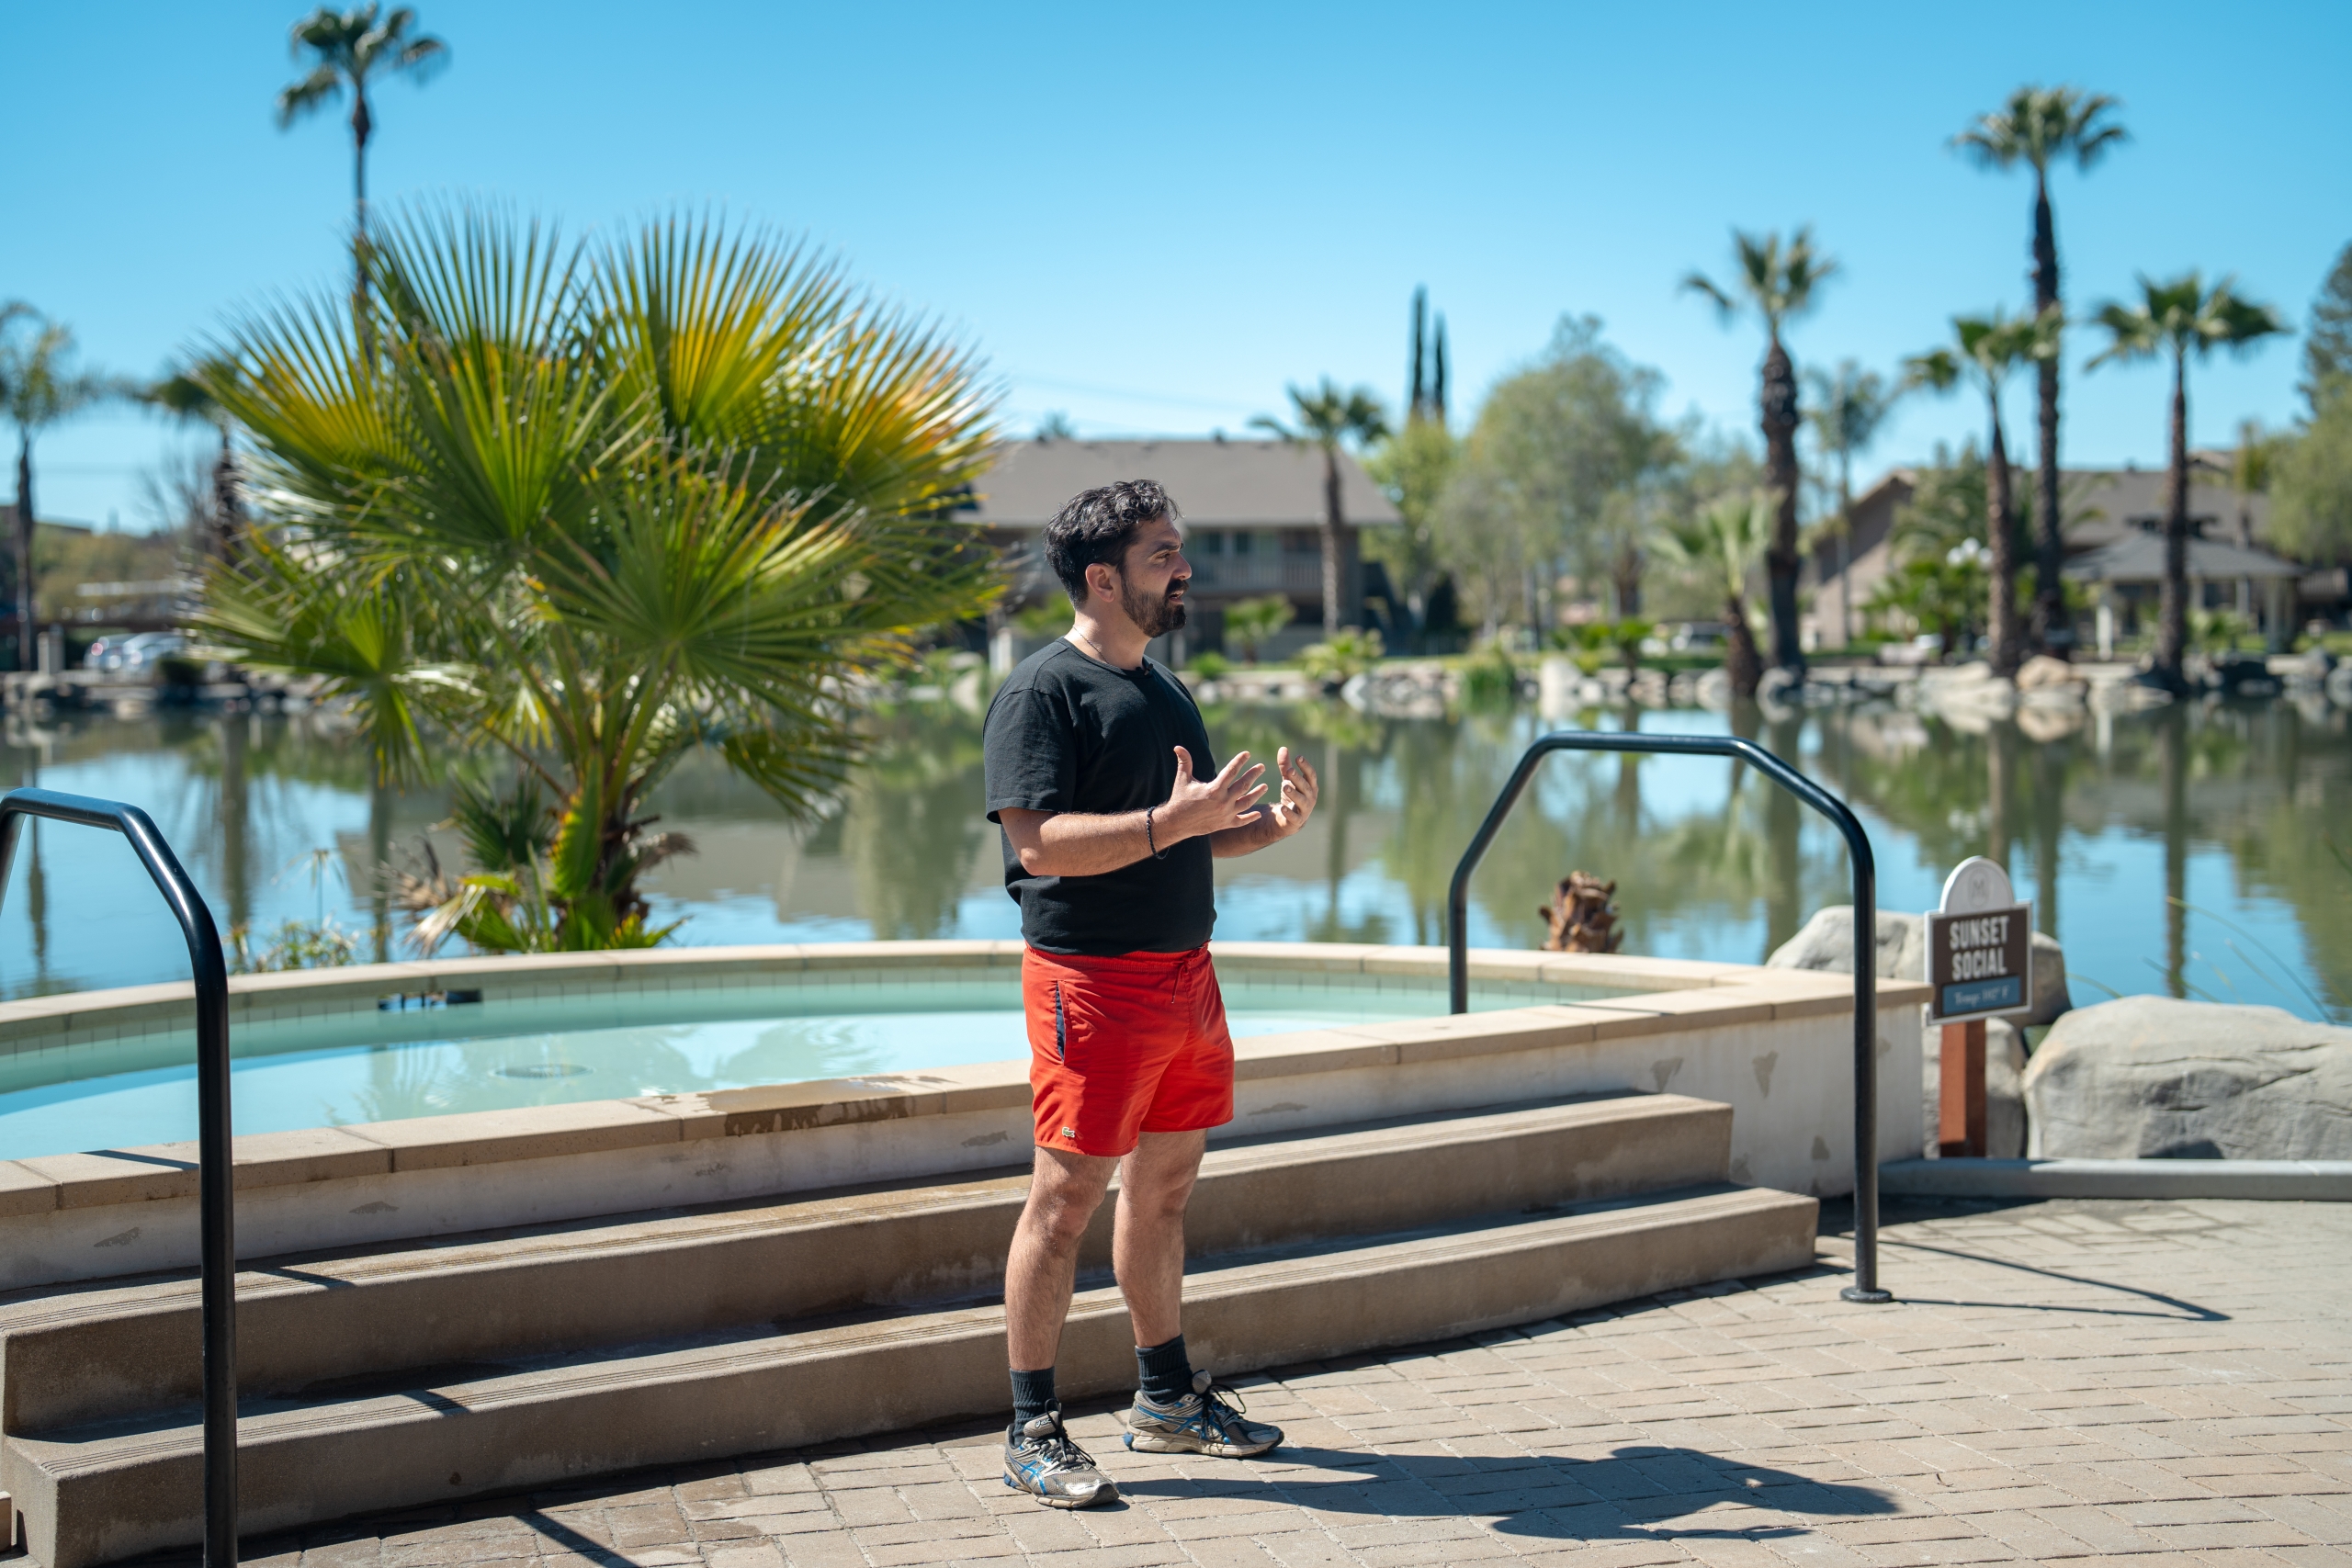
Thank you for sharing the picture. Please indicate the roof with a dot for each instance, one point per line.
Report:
(1216, 484)
(2138, 557)
(2103, 506)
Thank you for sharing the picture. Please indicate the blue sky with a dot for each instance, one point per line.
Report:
(1153, 218)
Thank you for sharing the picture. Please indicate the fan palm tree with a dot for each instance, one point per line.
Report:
(1327, 417)
(38, 388)
(185, 397)
(1775, 282)
(2253, 464)
(1850, 404)
(346, 50)
(2039, 126)
(1992, 348)
(598, 507)
(1720, 544)
(2181, 319)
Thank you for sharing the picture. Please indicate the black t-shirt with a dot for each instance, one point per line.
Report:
(1069, 733)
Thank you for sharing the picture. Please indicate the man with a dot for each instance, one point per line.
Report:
(1112, 806)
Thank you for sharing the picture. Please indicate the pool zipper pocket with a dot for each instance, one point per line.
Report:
(1061, 1027)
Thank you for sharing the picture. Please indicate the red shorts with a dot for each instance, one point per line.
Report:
(1125, 1045)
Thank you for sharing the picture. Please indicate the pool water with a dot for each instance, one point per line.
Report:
(381, 1066)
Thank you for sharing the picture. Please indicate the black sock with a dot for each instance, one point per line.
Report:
(1033, 1395)
(1164, 1371)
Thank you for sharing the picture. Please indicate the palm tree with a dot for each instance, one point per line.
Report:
(598, 507)
(37, 389)
(185, 397)
(2181, 318)
(1992, 346)
(1850, 404)
(1776, 283)
(2253, 464)
(346, 49)
(2038, 127)
(1252, 622)
(1723, 542)
(1327, 417)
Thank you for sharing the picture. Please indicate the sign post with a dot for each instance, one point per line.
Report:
(1980, 965)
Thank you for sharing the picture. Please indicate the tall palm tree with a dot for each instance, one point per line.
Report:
(1721, 545)
(346, 50)
(2182, 318)
(597, 507)
(1850, 404)
(185, 397)
(38, 388)
(2253, 464)
(1992, 348)
(2039, 126)
(1775, 283)
(1327, 417)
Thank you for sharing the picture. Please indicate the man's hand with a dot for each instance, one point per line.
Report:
(1197, 807)
(1291, 810)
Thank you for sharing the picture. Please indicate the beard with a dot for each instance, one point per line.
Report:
(1153, 618)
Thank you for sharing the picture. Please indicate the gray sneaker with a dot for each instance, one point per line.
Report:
(1045, 1463)
(1206, 1421)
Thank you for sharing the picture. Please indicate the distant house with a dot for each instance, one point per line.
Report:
(2114, 518)
(1253, 519)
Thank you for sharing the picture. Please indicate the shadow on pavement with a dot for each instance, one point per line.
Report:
(1639, 1492)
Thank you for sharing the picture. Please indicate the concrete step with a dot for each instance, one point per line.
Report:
(99, 1493)
(69, 1358)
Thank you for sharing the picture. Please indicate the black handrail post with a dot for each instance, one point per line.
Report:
(1865, 1287)
(215, 1174)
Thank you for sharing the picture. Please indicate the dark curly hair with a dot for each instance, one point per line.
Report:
(1098, 525)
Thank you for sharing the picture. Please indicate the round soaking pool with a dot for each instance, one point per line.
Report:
(427, 1054)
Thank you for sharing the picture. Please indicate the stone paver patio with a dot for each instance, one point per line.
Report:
(2063, 1381)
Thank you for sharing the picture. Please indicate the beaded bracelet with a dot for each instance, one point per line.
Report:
(1149, 842)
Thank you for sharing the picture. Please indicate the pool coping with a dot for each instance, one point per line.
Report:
(1662, 995)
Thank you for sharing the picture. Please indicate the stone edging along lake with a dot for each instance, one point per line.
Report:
(1775, 1044)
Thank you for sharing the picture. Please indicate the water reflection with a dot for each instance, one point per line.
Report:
(2185, 850)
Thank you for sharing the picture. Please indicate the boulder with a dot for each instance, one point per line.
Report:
(2149, 1077)
(2042, 672)
(1827, 942)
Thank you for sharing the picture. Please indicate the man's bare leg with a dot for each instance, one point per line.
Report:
(1147, 1243)
(1175, 1411)
(1065, 1190)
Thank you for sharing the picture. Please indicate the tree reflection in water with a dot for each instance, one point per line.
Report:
(2184, 851)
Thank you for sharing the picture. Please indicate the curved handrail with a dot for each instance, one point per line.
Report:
(214, 1174)
(1865, 1287)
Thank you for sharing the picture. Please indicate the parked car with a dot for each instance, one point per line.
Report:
(1698, 636)
(143, 650)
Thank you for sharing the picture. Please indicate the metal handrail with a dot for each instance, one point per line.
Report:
(1865, 1287)
(214, 1175)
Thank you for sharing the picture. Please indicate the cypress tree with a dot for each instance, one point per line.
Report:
(1413, 409)
(1437, 394)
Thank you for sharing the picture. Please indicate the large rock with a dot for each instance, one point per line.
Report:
(1827, 942)
(2148, 1078)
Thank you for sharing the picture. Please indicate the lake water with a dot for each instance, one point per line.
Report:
(2197, 851)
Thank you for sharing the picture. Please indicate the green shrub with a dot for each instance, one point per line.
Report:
(1343, 657)
(1210, 665)
(1489, 675)
(1252, 622)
